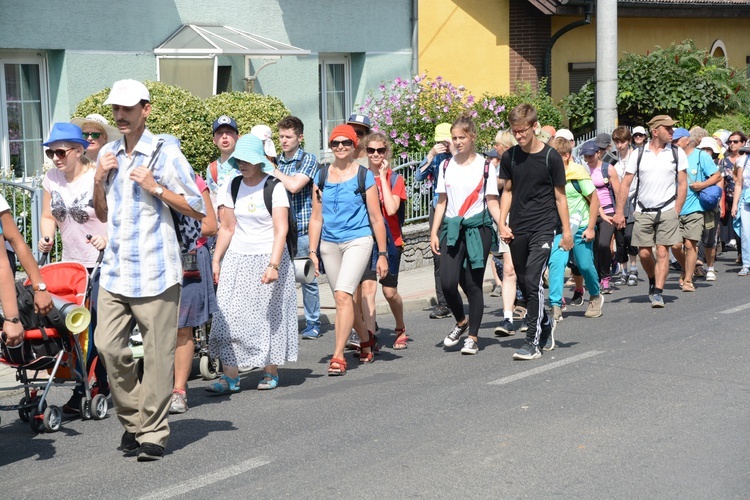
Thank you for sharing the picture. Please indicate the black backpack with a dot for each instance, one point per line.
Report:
(268, 187)
(36, 354)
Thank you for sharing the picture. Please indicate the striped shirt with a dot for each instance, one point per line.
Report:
(142, 258)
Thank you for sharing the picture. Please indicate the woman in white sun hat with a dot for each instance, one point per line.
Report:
(97, 132)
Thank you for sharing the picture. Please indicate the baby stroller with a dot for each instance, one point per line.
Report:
(52, 347)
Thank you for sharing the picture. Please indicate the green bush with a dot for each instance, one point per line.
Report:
(685, 82)
(248, 110)
(732, 123)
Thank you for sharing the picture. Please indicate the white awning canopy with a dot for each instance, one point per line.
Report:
(193, 40)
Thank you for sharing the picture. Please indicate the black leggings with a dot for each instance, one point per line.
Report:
(603, 248)
(453, 274)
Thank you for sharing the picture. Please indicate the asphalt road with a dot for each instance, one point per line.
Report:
(640, 403)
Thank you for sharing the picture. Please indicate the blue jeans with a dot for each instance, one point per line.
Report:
(583, 254)
(310, 294)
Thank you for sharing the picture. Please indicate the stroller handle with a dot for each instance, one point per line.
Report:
(43, 258)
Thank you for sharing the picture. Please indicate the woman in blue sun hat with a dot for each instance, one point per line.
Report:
(67, 206)
(256, 321)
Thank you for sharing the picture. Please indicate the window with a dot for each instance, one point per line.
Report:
(196, 74)
(22, 115)
(224, 79)
(335, 94)
(579, 74)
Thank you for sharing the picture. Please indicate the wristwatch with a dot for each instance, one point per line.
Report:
(158, 191)
(41, 287)
(382, 254)
(13, 320)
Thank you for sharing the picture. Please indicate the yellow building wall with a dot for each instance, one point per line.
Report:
(466, 42)
(641, 35)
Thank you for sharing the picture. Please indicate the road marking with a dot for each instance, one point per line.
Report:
(207, 479)
(542, 369)
(735, 309)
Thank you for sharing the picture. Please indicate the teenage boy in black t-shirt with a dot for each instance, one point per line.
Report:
(534, 194)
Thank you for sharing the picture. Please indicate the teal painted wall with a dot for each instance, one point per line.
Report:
(89, 45)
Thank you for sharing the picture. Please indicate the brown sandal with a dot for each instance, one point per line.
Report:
(401, 339)
(336, 367)
(372, 343)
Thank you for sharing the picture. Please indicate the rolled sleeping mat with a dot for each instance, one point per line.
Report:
(304, 271)
(77, 318)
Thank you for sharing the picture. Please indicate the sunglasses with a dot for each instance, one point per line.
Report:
(733, 141)
(60, 153)
(347, 143)
(372, 151)
(639, 135)
(93, 135)
(360, 132)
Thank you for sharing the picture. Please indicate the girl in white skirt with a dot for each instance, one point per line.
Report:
(256, 324)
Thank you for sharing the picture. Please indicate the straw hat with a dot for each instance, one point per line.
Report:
(100, 122)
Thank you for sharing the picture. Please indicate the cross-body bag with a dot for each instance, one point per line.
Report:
(710, 196)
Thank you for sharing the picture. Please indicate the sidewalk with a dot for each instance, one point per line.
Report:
(416, 286)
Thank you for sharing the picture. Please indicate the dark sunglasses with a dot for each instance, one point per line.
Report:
(93, 135)
(60, 153)
(372, 151)
(347, 143)
(733, 141)
(360, 132)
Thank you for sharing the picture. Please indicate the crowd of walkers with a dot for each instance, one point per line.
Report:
(181, 251)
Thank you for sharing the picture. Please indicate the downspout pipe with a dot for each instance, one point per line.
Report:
(588, 12)
(414, 37)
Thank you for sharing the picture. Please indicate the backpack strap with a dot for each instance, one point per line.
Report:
(322, 176)
(577, 186)
(213, 170)
(236, 188)
(361, 178)
(268, 188)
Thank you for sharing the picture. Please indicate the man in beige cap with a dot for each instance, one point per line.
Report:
(661, 188)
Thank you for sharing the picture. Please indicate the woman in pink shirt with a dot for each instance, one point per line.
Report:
(606, 186)
(67, 206)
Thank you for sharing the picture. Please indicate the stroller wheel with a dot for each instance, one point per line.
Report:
(85, 408)
(209, 368)
(23, 410)
(99, 407)
(52, 419)
(36, 420)
(26, 405)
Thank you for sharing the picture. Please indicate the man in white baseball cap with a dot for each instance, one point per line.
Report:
(141, 181)
(128, 93)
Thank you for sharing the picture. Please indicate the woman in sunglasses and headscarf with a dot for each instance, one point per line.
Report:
(345, 217)
(68, 191)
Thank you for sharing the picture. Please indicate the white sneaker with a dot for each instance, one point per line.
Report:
(470, 347)
(710, 275)
(353, 342)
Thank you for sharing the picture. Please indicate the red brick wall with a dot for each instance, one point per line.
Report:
(529, 36)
